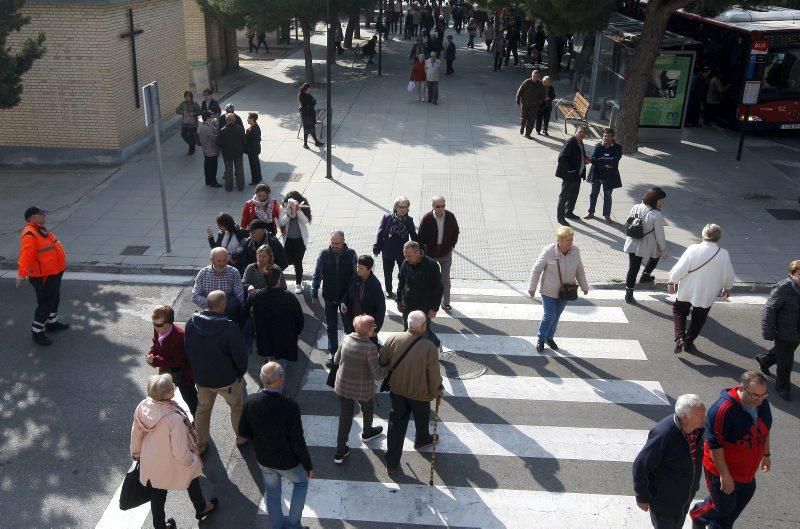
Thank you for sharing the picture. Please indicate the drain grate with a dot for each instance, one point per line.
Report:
(288, 177)
(757, 196)
(785, 214)
(459, 367)
(135, 250)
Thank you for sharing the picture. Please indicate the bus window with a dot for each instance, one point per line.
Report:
(781, 76)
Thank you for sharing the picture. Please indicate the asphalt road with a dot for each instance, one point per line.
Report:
(66, 412)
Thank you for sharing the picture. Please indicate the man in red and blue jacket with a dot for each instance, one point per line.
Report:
(736, 445)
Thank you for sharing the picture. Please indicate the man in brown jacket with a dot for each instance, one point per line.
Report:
(530, 97)
(414, 382)
(357, 358)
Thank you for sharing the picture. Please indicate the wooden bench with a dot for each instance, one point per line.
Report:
(575, 110)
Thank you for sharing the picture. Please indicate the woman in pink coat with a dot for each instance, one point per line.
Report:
(164, 442)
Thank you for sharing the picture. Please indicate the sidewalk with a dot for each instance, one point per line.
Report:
(500, 185)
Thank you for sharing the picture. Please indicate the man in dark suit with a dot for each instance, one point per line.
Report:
(231, 144)
(450, 54)
(365, 296)
(571, 170)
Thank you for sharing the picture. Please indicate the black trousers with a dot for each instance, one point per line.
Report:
(48, 296)
(402, 409)
(158, 498)
(264, 42)
(543, 118)
(346, 407)
(668, 520)
(680, 313)
(720, 510)
(512, 50)
(332, 322)
(449, 65)
(210, 165)
(567, 198)
(189, 135)
(295, 250)
(255, 168)
(783, 355)
(189, 394)
(388, 271)
(634, 264)
(498, 60)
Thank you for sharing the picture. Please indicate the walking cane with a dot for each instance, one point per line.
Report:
(435, 427)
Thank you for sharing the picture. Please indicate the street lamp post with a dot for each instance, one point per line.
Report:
(329, 116)
(381, 22)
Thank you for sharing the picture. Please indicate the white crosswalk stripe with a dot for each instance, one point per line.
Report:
(589, 444)
(442, 506)
(521, 311)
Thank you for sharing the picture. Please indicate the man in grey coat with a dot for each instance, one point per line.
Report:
(208, 133)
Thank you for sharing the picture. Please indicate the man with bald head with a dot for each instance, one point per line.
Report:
(414, 381)
(216, 351)
(359, 368)
(219, 275)
(274, 424)
(336, 266)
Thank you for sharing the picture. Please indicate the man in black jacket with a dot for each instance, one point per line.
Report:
(273, 422)
(278, 319)
(364, 297)
(231, 144)
(335, 268)
(449, 54)
(260, 235)
(571, 170)
(666, 473)
(419, 287)
(218, 356)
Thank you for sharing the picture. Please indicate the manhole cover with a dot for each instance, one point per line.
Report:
(785, 214)
(135, 250)
(457, 367)
(757, 196)
(287, 177)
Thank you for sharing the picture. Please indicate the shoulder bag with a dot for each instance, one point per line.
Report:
(702, 265)
(385, 383)
(567, 291)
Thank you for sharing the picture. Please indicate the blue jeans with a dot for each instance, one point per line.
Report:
(272, 495)
(606, 197)
(553, 307)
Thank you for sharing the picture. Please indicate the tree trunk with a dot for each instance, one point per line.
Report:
(644, 56)
(306, 28)
(352, 24)
(553, 56)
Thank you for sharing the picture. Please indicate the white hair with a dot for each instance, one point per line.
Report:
(218, 250)
(686, 403)
(416, 319)
(339, 233)
(270, 373)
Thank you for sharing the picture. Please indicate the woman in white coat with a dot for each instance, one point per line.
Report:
(703, 272)
(653, 243)
(294, 220)
(557, 264)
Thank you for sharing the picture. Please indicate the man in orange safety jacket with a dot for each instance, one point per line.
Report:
(42, 260)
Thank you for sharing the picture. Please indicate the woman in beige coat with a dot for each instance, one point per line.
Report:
(164, 442)
(564, 257)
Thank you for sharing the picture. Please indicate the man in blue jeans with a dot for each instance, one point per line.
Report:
(273, 422)
(336, 266)
(604, 173)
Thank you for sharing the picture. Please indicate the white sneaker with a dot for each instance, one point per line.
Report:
(298, 289)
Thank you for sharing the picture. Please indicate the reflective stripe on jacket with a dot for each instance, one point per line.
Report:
(40, 255)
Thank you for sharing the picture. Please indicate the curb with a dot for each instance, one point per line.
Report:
(191, 271)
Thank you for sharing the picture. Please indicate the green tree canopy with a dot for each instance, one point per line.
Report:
(14, 65)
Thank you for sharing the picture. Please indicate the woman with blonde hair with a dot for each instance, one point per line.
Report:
(164, 442)
(557, 273)
(395, 229)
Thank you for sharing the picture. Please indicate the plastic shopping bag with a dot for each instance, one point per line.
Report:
(410, 87)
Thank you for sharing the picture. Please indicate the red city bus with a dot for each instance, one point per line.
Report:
(751, 50)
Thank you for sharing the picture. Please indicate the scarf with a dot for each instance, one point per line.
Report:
(263, 210)
(191, 432)
(398, 227)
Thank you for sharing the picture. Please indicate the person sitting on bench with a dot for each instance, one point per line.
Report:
(369, 49)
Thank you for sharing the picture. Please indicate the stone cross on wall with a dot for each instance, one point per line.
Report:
(131, 34)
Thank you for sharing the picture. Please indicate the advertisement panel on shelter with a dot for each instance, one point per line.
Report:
(667, 91)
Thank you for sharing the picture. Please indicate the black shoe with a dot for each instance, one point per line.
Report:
(552, 344)
(545, 133)
(629, 296)
(689, 347)
(522, 130)
(447, 306)
(679, 345)
(216, 184)
(763, 366)
(646, 278)
(572, 216)
(425, 444)
(540, 346)
(41, 338)
(57, 326)
(202, 515)
(305, 146)
(319, 144)
(389, 295)
(171, 523)
(785, 396)
(329, 361)
(339, 456)
(563, 222)
(529, 136)
(372, 433)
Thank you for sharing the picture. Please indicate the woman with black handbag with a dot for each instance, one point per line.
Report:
(164, 442)
(558, 272)
(644, 238)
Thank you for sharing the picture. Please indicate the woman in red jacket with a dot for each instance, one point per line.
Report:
(418, 76)
(167, 354)
(262, 207)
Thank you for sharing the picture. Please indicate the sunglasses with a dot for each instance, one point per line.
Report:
(159, 325)
(439, 207)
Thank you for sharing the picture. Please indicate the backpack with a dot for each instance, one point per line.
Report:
(634, 228)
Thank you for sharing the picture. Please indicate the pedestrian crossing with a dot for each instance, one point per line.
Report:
(531, 443)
